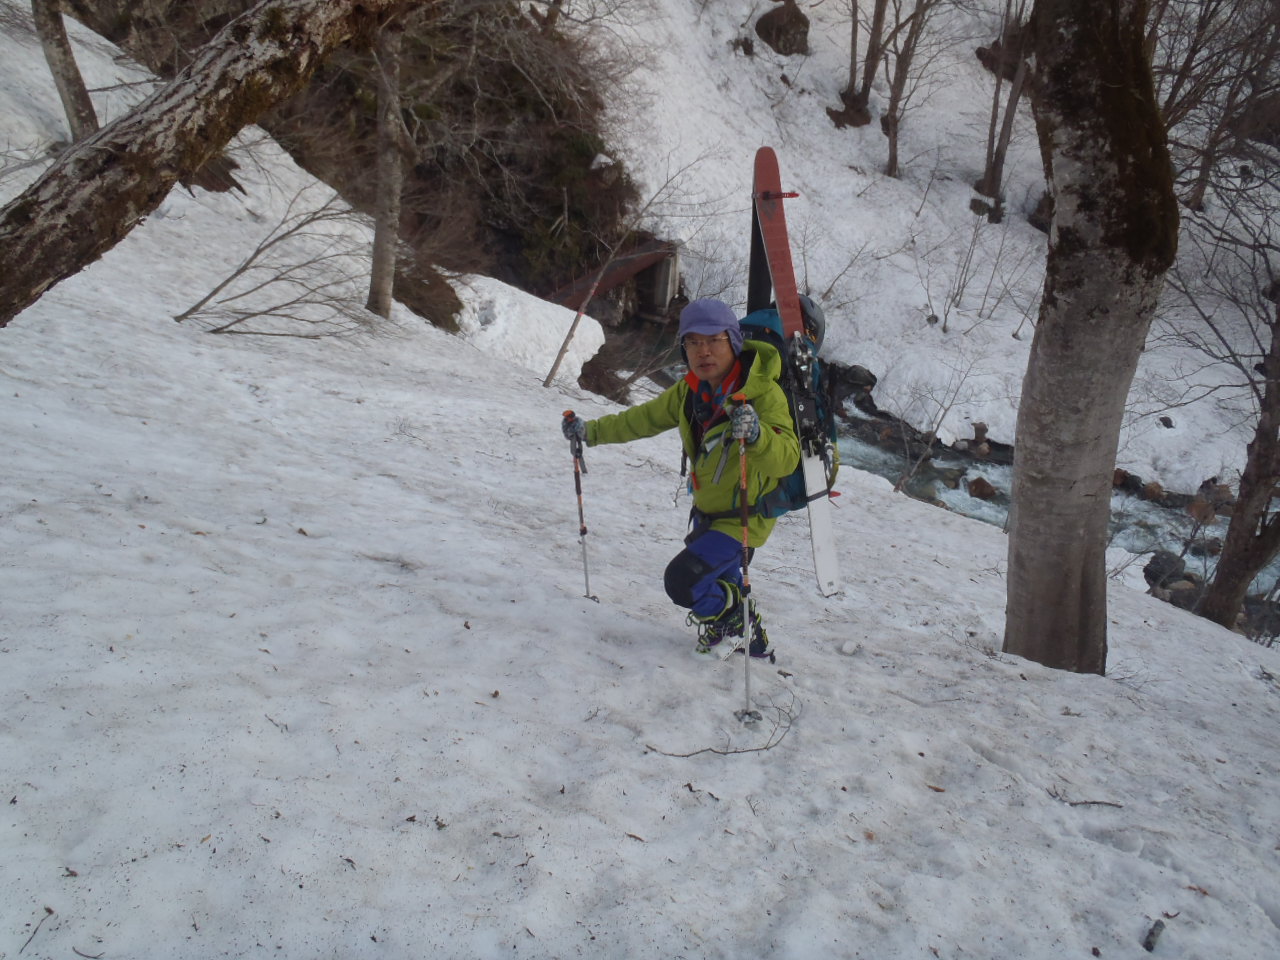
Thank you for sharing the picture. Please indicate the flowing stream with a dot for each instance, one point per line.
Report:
(1137, 526)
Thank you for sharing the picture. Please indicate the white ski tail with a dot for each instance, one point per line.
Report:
(826, 566)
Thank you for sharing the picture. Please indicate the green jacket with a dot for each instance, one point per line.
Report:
(715, 474)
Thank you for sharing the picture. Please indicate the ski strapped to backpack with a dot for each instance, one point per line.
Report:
(802, 328)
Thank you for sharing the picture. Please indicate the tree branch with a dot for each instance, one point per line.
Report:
(106, 184)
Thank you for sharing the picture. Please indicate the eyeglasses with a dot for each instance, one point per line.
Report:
(699, 343)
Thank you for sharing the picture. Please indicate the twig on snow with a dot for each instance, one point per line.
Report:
(1059, 795)
(783, 718)
(48, 912)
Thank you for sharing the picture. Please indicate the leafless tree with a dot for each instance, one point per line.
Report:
(908, 50)
(1113, 236)
(299, 280)
(930, 403)
(1229, 278)
(101, 188)
(81, 117)
(854, 112)
(856, 94)
(1217, 68)
(393, 142)
(903, 41)
(1000, 130)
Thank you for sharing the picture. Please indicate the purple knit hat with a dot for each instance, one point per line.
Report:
(706, 318)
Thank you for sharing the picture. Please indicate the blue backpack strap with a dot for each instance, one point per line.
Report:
(764, 325)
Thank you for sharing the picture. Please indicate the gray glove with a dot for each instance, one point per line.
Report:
(745, 423)
(573, 428)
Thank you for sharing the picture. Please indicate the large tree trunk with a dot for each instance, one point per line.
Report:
(1113, 236)
(101, 188)
(81, 117)
(386, 234)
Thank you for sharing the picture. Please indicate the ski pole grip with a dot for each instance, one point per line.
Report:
(575, 447)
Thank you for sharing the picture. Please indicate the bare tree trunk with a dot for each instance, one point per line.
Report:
(1194, 198)
(101, 188)
(386, 234)
(891, 120)
(851, 88)
(889, 126)
(875, 50)
(983, 185)
(1155, 17)
(1253, 535)
(853, 112)
(1113, 236)
(992, 183)
(81, 117)
(998, 145)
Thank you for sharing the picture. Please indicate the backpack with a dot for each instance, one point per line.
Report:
(807, 387)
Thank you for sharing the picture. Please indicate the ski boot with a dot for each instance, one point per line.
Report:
(728, 623)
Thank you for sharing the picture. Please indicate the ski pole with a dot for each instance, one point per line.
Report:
(746, 714)
(579, 468)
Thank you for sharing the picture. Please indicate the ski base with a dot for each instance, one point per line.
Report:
(826, 566)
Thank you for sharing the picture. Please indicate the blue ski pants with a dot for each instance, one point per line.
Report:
(691, 576)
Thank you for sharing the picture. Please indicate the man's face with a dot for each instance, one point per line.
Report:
(710, 358)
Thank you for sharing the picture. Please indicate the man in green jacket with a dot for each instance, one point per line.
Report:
(706, 577)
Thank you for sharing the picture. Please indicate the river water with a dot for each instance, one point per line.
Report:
(1138, 526)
